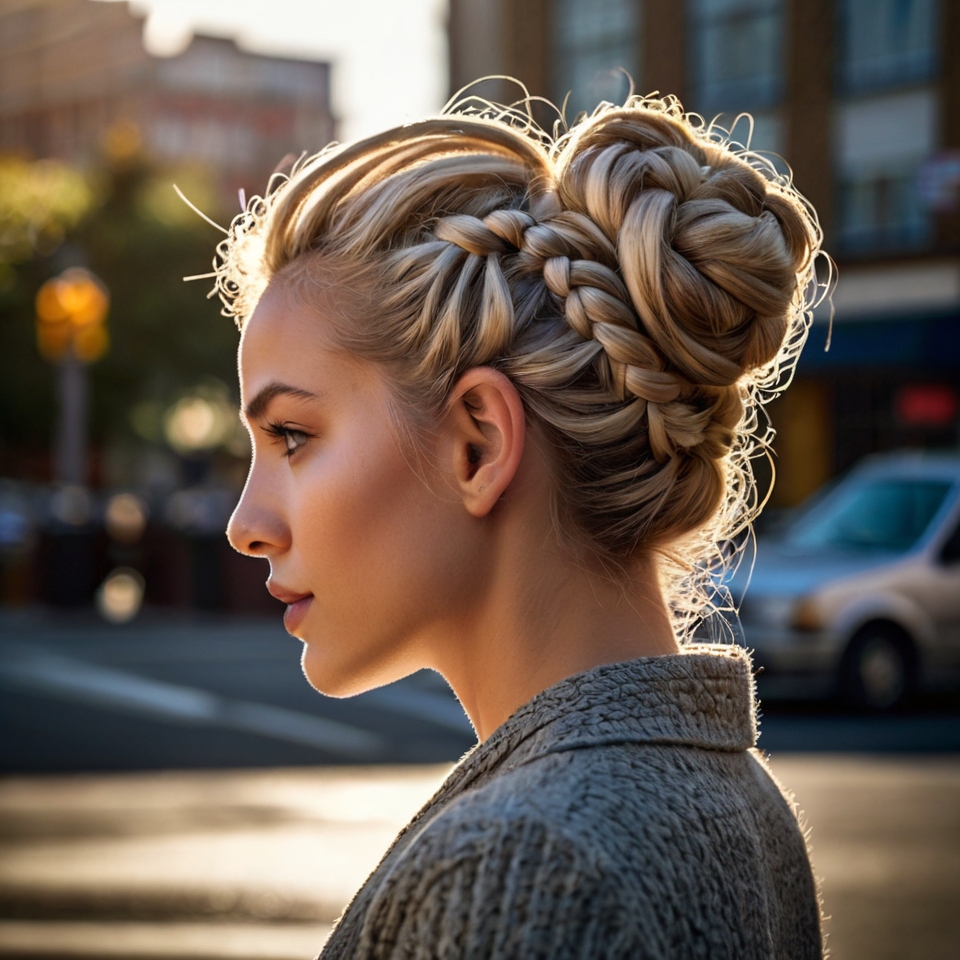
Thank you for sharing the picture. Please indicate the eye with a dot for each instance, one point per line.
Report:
(291, 439)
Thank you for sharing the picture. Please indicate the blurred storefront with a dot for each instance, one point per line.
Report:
(862, 99)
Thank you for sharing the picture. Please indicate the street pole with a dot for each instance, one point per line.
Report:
(71, 447)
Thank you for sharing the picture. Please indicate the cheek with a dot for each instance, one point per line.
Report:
(380, 542)
(388, 563)
(366, 518)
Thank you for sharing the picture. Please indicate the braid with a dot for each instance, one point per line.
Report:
(597, 306)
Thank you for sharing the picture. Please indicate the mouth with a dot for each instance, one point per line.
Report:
(297, 605)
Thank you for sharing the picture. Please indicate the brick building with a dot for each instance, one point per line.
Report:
(73, 70)
(862, 98)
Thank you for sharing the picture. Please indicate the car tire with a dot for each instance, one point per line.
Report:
(878, 669)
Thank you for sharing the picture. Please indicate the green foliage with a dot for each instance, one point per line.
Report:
(39, 201)
(28, 403)
(166, 336)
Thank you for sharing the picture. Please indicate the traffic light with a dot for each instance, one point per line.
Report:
(71, 314)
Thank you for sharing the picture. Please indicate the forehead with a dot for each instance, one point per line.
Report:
(280, 314)
(283, 338)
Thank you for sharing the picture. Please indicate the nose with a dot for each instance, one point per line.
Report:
(256, 528)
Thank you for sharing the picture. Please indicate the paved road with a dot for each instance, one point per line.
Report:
(180, 693)
(176, 693)
(255, 864)
(250, 864)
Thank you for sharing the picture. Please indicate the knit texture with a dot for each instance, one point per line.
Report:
(623, 812)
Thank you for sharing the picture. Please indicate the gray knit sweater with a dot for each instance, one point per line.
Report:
(622, 812)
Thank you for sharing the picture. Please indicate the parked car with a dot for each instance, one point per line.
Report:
(858, 594)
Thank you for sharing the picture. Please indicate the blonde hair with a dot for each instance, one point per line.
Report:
(644, 284)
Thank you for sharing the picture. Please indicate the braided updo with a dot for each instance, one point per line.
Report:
(644, 285)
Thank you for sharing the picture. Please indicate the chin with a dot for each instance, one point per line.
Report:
(326, 676)
(343, 678)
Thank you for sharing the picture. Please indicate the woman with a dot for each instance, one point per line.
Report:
(502, 393)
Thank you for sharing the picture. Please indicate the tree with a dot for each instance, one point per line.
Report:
(125, 223)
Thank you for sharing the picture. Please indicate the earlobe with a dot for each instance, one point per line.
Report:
(488, 432)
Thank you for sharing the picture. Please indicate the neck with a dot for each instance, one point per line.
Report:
(528, 632)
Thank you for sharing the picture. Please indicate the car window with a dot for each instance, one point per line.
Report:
(882, 515)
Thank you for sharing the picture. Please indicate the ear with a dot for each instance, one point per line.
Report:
(487, 430)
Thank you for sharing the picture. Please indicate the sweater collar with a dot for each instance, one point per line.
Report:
(702, 697)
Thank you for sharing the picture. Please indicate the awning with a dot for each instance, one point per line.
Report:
(910, 342)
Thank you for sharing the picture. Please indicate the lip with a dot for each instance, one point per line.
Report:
(295, 613)
(297, 605)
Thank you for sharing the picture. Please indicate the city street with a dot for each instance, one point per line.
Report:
(175, 789)
(251, 865)
(529, 302)
(79, 694)
(166, 692)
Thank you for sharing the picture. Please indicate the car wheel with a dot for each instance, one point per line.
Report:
(878, 668)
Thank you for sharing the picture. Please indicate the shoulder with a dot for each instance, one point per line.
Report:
(620, 846)
(594, 846)
(626, 811)
(495, 876)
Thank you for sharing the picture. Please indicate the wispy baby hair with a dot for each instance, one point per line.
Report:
(644, 284)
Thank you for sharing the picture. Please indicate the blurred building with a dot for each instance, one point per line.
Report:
(76, 83)
(862, 98)
(74, 73)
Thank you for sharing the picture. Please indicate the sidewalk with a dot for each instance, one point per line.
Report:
(257, 864)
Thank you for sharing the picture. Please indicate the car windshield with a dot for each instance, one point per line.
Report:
(882, 515)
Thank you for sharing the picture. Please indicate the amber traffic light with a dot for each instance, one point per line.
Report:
(71, 314)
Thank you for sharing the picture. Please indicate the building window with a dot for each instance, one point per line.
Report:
(593, 44)
(881, 211)
(736, 54)
(884, 43)
(882, 143)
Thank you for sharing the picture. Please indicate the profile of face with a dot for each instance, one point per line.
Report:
(367, 541)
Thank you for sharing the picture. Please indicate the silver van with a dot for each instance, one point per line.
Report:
(858, 594)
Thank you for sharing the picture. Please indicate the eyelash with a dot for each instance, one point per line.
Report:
(284, 434)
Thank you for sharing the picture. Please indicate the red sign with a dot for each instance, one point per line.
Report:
(926, 405)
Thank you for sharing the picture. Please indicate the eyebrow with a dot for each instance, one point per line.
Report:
(257, 407)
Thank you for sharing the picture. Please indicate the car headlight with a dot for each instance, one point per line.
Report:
(806, 615)
(798, 613)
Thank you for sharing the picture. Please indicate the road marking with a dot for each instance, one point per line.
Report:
(83, 682)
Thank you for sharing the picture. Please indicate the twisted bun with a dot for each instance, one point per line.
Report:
(642, 283)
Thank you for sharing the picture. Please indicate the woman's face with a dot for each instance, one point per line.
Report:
(379, 550)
